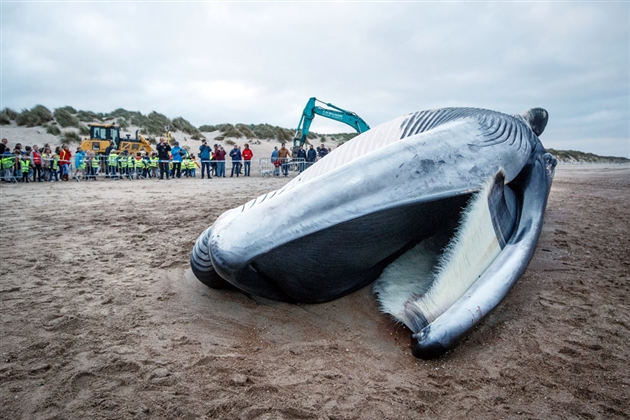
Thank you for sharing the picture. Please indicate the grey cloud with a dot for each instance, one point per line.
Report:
(260, 62)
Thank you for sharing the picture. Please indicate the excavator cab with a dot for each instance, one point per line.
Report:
(100, 137)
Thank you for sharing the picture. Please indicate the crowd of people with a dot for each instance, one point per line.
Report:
(173, 159)
(32, 164)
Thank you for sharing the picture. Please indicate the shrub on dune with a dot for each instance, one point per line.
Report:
(52, 129)
(247, 132)
(65, 118)
(38, 115)
(181, 124)
(89, 116)
(233, 132)
(71, 137)
(7, 115)
(207, 128)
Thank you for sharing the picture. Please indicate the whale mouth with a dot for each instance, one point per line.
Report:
(335, 261)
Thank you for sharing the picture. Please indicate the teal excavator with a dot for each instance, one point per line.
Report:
(336, 113)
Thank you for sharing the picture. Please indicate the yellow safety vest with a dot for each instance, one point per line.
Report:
(112, 159)
(8, 162)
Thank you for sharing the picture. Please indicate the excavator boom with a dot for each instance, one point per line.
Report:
(333, 112)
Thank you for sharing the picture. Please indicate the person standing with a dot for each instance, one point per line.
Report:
(36, 163)
(3, 146)
(163, 150)
(108, 150)
(46, 162)
(247, 158)
(79, 164)
(283, 155)
(235, 154)
(89, 159)
(112, 163)
(178, 155)
(8, 164)
(25, 163)
(155, 164)
(213, 160)
(54, 168)
(204, 156)
(301, 154)
(311, 155)
(64, 159)
(220, 158)
(275, 162)
(322, 151)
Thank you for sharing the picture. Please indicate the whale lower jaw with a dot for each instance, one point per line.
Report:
(341, 258)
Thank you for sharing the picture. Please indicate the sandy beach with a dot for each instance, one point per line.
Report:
(102, 318)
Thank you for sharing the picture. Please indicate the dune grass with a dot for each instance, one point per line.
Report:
(36, 116)
(89, 116)
(65, 118)
(181, 124)
(71, 137)
(7, 115)
(207, 128)
(52, 129)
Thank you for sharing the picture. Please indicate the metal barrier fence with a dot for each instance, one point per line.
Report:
(12, 169)
(281, 166)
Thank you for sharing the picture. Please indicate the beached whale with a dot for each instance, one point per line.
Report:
(441, 209)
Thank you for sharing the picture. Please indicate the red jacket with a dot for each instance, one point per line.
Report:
(64, 156)
(247, 154)
(37, 158)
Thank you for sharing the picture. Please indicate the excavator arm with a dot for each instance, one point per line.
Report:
(336, 113)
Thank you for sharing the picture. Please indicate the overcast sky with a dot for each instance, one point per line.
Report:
(260, 62)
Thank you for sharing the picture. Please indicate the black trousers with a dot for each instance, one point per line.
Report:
(164, 169)
(205, 167)
(37, 172)
(177, 169)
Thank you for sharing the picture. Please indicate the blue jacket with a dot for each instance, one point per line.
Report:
(235, 154)
(176, 153)
(204, 152)
(274, 155)
(78, 159)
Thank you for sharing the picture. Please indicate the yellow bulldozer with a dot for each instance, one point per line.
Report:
(101, 135)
